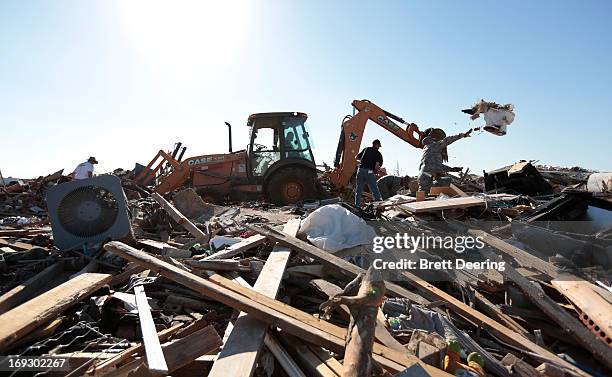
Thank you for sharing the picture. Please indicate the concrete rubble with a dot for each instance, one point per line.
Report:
(236, 289)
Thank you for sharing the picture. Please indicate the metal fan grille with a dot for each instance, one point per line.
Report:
(88, 211)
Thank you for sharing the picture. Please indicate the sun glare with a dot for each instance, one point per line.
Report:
(187, 36)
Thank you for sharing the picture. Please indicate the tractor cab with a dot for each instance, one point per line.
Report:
(276, 140)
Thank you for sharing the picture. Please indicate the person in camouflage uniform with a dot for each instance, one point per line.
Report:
(434, 155)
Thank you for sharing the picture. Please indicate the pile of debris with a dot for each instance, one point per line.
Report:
(193, 288)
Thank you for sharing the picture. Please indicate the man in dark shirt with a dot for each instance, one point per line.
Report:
(370, 160)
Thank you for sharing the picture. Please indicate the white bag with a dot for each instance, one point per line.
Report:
(497, 120)
(333, 227)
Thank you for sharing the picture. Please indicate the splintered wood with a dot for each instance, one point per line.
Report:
(364, 310)
(262, 307)
(24, 318)
(242, 347)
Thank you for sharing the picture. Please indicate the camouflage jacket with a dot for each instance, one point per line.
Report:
(432, 161)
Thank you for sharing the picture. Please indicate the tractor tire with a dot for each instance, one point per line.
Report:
(292, 184)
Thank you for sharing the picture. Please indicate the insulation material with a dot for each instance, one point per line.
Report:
(497, 117)
(334, 228)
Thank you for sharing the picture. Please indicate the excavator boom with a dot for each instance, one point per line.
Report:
(352, 132)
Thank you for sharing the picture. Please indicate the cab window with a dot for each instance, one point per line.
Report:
(265, 150)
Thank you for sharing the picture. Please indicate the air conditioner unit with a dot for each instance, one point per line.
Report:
(88, 211)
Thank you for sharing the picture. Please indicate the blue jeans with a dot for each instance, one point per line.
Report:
(366, 176)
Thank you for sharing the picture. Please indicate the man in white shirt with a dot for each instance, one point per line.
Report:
(85, 170)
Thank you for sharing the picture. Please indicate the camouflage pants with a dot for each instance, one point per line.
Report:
(426, 180)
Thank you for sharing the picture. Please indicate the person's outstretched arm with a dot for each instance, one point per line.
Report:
(451, 139)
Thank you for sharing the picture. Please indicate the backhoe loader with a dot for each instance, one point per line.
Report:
(278, 163)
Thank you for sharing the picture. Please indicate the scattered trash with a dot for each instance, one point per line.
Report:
(198, 283)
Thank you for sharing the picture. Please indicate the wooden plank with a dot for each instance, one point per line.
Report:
(524, 258)
(177, 353)
(276, 313)
(183, 351)
(381, 332)
(21, 232)
(124, 277)
(241, 350)
(459, 191)
(178, 217)
(24, 318)
(153, 246)
(16, 245)
(594, 311)
(425, 288)
(519, 366)
(218, 265)
(327, 358)
(439, 205)
(337, 264)
(29, 288)
(587, 339)
(155, 356)
(237, 248)
(309, 361)
(104, 366)
(41, 332)
(283, 358)
(493, 310)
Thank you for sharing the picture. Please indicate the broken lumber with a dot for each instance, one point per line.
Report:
(600, 350)
(294, 321)
(237, 248)
(178, 217)
(107, 365)
(178, 353)
(327, 259)
(381, 332)
(521, 256)
(181, 352)
(440, 205)
(241, 350)
(364, 308)
(519, 366)
(459, 191)
(28, 288)
(22, 319)
(281, 355)
(19, 246)
(42, 331)
(425, 288)
(308, 360)
(495, 312)
(218, 265)
(326, 357)
(155, 356)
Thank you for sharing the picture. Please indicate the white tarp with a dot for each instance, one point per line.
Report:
(333, 227)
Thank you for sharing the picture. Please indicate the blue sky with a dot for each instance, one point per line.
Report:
(121, 79)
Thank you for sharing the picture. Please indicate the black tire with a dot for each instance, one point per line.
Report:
(291, 185)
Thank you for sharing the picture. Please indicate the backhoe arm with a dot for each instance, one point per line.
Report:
(352, 133)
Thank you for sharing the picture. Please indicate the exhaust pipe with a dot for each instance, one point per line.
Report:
(177, 146)
(229, 129)
(180, 157)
